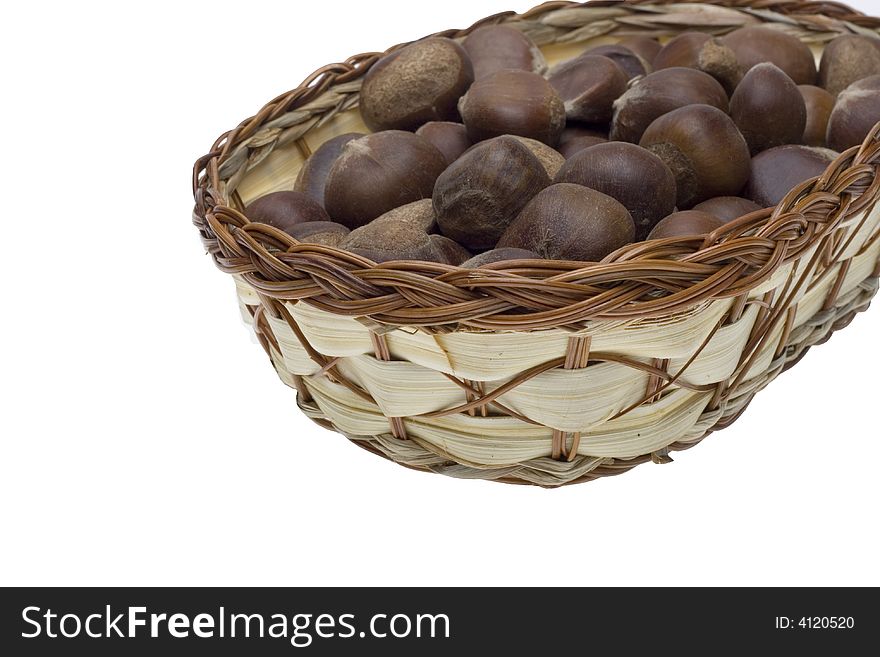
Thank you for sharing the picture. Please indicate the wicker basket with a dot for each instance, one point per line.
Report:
(545, 372)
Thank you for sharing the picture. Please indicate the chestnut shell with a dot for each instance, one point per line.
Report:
(728, 208)
(854, 115)
(659, 93)
(705, 53)
(447, 137)
(570, 222)
(630, 62)
(379, 172)
(480, 193)
(847, 59)
(435, 73)
(756, 44)
(312, 177)
(775, 172)
(704, 149)
(499, 255)
(492, 48)
(687, 223)
(768, 108)
(284, 210)
(636, 178)
(588, 85)
(819, 105)
(513, 102)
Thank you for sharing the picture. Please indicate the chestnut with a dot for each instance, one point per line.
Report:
(499, 255)
(659, 93)
(631, 63)
(381, 241)
(704, 149)
(550, 158)
(480, 193)
(727, 208)
(576, 138)
(449, 138)
(435, 72)
(449, 251)
(819, 104)
(492, 48)
(379, 172)
(847, 59)
(768, 108)
(776, 172)
(756, 44)
(588, 85)
(854, 115)
(636, 178)
(644, 47)
(687, 223)
(703, 52)
(284, 210)
(574, 130)
(577, 144)
(513, 102)
(570, 222)
(418, 213)
(328, 233)
(312, 177)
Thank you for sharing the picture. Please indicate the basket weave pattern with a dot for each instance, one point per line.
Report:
(548, 372)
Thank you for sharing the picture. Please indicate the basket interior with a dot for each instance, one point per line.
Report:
(278, 170)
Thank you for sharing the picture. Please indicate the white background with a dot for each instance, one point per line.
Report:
(147, 441)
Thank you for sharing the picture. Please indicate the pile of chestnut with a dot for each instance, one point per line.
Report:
(480, 154)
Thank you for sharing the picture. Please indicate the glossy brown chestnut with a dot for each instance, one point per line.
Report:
(776, 172)
(728, 208)
(495, 47)
(573, 130)
(819, 104)
(328, 233)
(499, 255)
(687, 223)
(703, 52)
(636, 178)
(644, 47)
(847, 59)
(435, 72)
(659, 93)
(856, 112)
(449, 251)
(755, 44)
(576, 138)
(570, 222)
(577, 144)
(704, 149)
(631, 63)
(284, 210)
(513, 102)
(768, 108)
(551, 159)
(379, 172)
(588, 85)
(480, 193)
(449, 138)
(312, 177)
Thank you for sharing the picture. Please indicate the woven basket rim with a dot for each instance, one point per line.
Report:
(640, 280)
